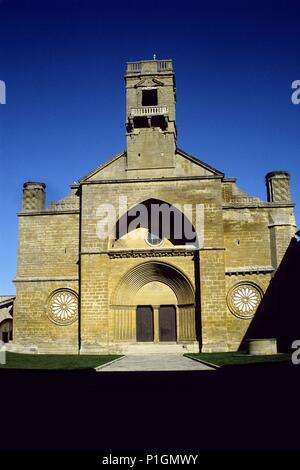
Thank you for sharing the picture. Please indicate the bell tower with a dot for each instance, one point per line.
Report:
(150, 115)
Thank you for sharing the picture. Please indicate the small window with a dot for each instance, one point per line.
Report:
(153, 239)
(149, 98)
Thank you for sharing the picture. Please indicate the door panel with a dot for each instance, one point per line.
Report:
(5, 336)
(144, 323)
(167, 323)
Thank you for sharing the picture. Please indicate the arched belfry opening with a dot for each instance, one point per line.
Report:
(154, 302)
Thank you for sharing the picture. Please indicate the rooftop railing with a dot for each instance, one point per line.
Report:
(149, 111)
(163, 65)
(152, 65)
(133, 67)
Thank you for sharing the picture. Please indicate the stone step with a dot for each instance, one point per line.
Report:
(159, 348)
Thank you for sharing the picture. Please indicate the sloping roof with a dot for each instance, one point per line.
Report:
(6, 307)
(199, 162)
(101, 167)
(5, 314)
(180, 152)
(6, 300)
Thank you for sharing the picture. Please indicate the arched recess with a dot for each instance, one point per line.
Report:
(6, 329)
(151, 271)
(123, 301)
(160, 218)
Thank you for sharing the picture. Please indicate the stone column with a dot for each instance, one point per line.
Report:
(156, 323)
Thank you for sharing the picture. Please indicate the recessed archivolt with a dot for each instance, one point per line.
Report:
(147, 272)
(158, 217)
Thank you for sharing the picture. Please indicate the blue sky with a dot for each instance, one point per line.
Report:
(63, 63)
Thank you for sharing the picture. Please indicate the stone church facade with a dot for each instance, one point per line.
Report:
(137, 288)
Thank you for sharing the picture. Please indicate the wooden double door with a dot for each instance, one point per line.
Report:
(166, 323)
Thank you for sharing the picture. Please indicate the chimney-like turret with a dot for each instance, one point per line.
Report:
(278, 186)
(33, 197)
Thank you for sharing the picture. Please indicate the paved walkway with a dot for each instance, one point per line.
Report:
(153, 362)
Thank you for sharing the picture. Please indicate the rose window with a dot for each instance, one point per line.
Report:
(63, 307)
(243, 300)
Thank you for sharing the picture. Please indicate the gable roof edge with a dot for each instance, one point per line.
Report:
(102, 166)
(199, 162)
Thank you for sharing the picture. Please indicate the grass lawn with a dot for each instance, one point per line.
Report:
(54, 361)
(234, 358)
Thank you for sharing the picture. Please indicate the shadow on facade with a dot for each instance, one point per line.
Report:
(198, 316)
(278, 315)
